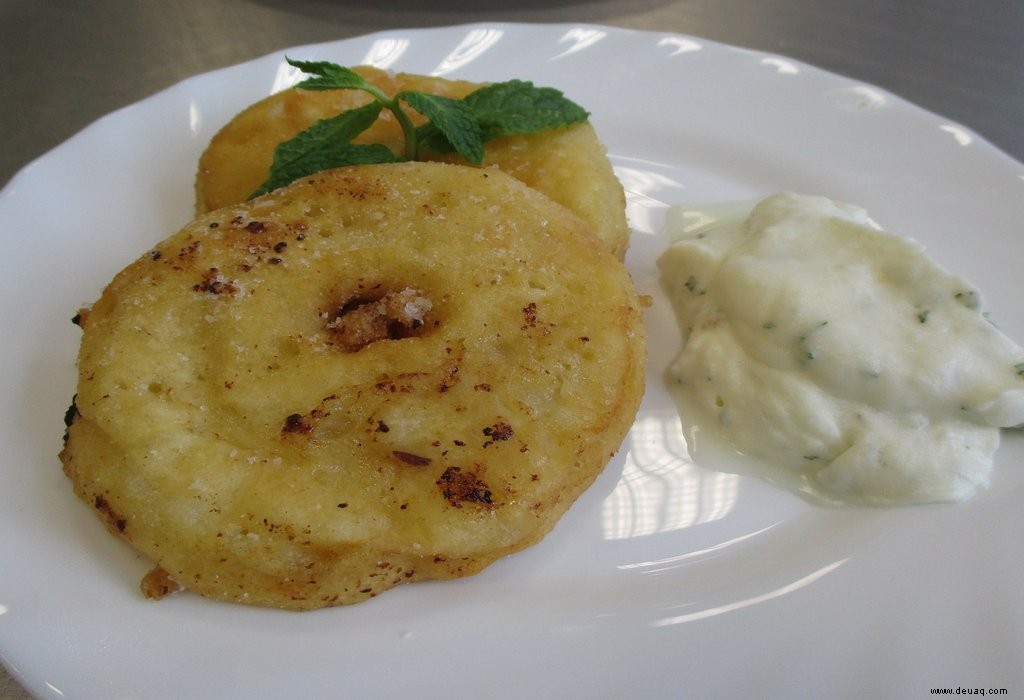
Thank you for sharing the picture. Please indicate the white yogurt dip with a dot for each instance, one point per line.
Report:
(840, 353)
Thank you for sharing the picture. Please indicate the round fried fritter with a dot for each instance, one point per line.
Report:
(377, 375)
(569, 164)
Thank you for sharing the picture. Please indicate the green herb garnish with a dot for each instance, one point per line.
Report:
(967, 298)
(459, 126)
(807, 353)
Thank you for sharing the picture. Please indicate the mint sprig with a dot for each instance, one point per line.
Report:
(460, 126)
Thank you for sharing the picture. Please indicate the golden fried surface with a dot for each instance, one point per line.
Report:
(378, 375)
(569, 165)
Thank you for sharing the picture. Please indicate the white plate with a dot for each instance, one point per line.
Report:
(666, 578)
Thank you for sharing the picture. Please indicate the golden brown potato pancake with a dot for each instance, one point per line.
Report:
(569, 165)
(376, 375)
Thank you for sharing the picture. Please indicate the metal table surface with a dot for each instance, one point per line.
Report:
(65, 63)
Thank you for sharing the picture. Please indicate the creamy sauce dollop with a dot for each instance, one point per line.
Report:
(838, 353)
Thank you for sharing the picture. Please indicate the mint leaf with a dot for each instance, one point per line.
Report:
(331, 76)
(517, 107)
(327, 158)
(511, 107)
(326, 144)
(451, 118)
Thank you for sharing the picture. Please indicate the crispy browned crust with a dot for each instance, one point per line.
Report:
(227, 429)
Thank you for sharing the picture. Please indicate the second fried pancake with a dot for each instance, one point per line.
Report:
(567, 164)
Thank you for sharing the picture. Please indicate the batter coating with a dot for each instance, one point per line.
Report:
(377, 375)
(569, 165)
